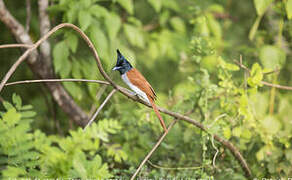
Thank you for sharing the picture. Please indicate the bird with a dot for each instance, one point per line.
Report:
(137, 82)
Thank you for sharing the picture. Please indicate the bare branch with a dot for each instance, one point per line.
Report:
(100, 108)
(28, 15)
(153, 149)
(276, 85)
(56, 80)
(15, 46)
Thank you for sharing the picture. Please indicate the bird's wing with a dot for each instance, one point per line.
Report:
(138, 80)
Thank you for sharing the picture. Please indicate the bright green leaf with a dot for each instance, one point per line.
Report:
(7, 105)
(134, 35)
(272, 57)
(178, 24)
(113, 25)
(261, 6)
(84, 19)
(156, 4)
(256, 75)
(11, 117)
(271, 125)
(289, 9)
(74, 90)
(99, 40)
(72, 41)
(60, 54)
(98, 11)
(128, 5)
(17, 101)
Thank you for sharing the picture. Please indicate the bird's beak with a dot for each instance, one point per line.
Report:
(116, 68)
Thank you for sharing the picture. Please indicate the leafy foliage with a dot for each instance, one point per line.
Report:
(27, 153)
(186, 51)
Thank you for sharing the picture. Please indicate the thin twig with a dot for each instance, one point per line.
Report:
(56, 80)
(100, 108)
(276, 85)
(153, 149)
(15, 46)
(28, 15)
(175, 168)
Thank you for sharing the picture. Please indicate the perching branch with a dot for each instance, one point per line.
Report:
(126, 92)
(153, 149)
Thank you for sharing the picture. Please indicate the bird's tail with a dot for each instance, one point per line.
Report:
(158, 114)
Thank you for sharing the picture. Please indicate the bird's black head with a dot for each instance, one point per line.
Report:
(122, 65)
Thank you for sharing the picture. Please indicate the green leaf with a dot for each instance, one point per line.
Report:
(86, 3)
(237, 131)
(28, 114)
(134, 35)
(227, 132)
(178, 24)
(271, 125)
(72, 41)
(113, 25)
(78, 164)
(99, 40)
(272, 57)
(214, 26)
(84, 19)
(98, 11)
(74, 90)
(76, 69)
(156, 4)
(261, 6)
(11, 117)
(11, 172)
(128, 5)
(289, 9)
(16, 101)
(7, 105)
(61, 62)
(256, 75)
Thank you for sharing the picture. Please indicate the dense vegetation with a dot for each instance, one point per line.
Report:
(208, 59)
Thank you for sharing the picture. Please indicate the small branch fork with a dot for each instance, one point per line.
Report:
(239, 63)
(124, 91)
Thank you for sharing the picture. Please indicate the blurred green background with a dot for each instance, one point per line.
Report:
(186, 50)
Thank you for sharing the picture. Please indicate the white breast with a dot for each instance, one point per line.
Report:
(137, 90)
